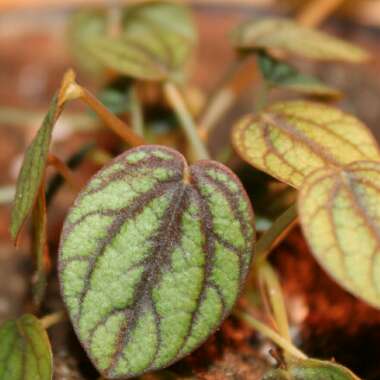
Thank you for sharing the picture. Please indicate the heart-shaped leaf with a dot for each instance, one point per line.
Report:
(280, 74)
(291, 38)
(155, 43)
(289, 140)
(25, 352)
(340, 218)
(33, 167)
(152, 257)
(311, 369)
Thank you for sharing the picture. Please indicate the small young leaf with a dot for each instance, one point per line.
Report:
(280, 74)
(289, 140)
(311, 369)
(25, 352)
(340, 218)
(34, 164)
(152, 257)
(156, 42)
(292, 38)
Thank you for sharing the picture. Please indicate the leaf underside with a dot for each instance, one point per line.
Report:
(292, 38)
(289, 140)
(340, 217)
(311, 369)
(152, 257)
(25, 352)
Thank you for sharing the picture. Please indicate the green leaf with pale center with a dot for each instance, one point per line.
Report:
(156, 42)
(280, 74)
(289, 140)
(340, 217)
(152, 257)
(291, 38)
(311, 369)
(33, 167)
(25, 352)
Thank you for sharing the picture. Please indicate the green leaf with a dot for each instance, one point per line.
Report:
(25, 352)
(84, 26)
(291, 38)
(340, 218)
(280, 74)
(33, 167)
(156, 42)
(311, 369)
(289, 140)
(152, 257)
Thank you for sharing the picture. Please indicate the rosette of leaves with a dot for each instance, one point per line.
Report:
(164, 250)
(334, 162)
(147, 46)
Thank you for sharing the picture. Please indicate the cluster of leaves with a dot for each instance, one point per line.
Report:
(165, 247)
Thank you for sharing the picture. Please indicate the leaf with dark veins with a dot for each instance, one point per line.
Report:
(152, 257)
(25, 352)
(340, 217)
(289, 140)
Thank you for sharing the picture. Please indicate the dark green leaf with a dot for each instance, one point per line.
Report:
(156, 42)
(311, 369)
(25, 352)
(289, 37)
(152, 257)
(280, 74)
(33, 167)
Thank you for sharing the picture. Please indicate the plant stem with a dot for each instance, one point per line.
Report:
(113, 122)
(316, 11)
(276, 233)
(237, 78)
(64, 171)
(271, 288)
(52, 319)
(174, 97)
(136, 112)
(272, 335)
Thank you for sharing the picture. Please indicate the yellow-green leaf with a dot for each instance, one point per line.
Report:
(280, 74)
(156, 41)
(289, 37)
(340, 216)
(289, 140)
(25, 352)
(311, 369)
(33, 167)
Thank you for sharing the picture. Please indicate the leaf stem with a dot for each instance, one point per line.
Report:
(52, 319)
(64, 171)
(174, 97)
(237, 78)
(316, 11)
(113, 122)
(271, 288)
(137, 117)
(271, 334)
(276, 233)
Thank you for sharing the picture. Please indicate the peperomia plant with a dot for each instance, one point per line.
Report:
(155, 251)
